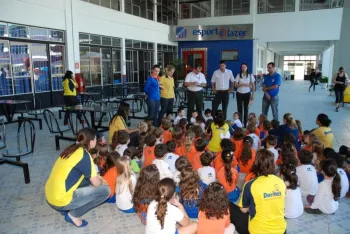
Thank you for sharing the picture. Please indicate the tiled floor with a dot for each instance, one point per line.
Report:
(23, 208)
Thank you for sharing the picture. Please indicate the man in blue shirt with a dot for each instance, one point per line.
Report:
(272, 82)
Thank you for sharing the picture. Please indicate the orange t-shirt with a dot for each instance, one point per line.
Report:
(222, 179)
(218, 163)
(167, 136)
(239, 146)
(249, 177)
(142, 209)
(196, 161)
(212, 225)
(149, 155)
(190, 154)
(308, 148)
(246, 168)
(110, 177)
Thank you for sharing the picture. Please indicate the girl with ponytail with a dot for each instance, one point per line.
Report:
(245, 160)
(228, 176)
(165, 212)
(324, 132)
(328, 194)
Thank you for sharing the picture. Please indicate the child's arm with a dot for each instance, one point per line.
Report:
(134, 166)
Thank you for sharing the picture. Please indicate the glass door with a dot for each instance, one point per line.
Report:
(192, 58)
(132, 71)
(40, 62)
(5, 69)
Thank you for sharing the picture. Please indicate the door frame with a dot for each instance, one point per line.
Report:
(203, 51)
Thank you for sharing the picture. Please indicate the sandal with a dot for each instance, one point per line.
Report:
(69, 220)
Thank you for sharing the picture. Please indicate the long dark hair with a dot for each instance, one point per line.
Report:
(68, 75)
(264, 163)
(289, 174)
(329, 168)
(324, 120)
(219, 119)
(247, 150)
(122, 111)
(227, 157)
(165, 192)
(84, 136)
(241, 71)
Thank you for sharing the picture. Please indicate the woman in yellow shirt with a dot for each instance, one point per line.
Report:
(324, 132)
(167, 92)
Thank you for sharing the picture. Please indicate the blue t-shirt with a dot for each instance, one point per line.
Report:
(269, 81)
(152, 88)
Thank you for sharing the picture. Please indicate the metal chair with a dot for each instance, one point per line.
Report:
(26, 110)
(25, 146)
(3, 135)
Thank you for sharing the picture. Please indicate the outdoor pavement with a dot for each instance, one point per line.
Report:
(23, 208)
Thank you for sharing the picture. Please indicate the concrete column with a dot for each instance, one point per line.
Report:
(297, 5)
(255, 57)
(212, 8)
(122, 5)
(70, 42)
(155, 53)
(155, 10)
(123, 57)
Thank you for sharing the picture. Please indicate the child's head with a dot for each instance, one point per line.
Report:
(267, 125)
(194, 114)
(158, 132)
(110, 162)
(252, 116)
(181, 163)
(182, 123)
(328, 151)
(176, 135)
(124, 174)
(143, 126)
(146, 186)
(189, 137)
(131, 152)
(344, 150)
(264, 163)
(200, 119)
(181, 112)
(115, 155)
(288, 138)
(189, 184)
(227, 144)
(165, 192)
(151, 129)
(123, 137)
(166, 124)
(337, 158)
(160, 151)
(329, 169)
(305, 157)
(227, 157)
(151, 140)
(271, 141)
(171, 146)
(214, 203)
(236, 115)
(262, 118)
(206, 159)
(198, 131)
(238, 134)
(251, 128)
(100, 138)
(288, 157)
(200, 145)
(247, 150)
(289, 175)
(98, 153)
(289, 120)
(275, 123)
(207, 112)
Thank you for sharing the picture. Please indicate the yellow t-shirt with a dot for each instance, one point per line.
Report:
(116, 125)
(69, 86)
(214, 143)
(67, 175)
(325, 135)
(264, 196)
(168, 87)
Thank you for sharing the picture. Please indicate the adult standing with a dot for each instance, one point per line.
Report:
(167, 93)
(272, 82)
(220, 83)
(313, 79)
(74, 187)
(339, 80)
(153, 94)
(245, 84)
(195, 81)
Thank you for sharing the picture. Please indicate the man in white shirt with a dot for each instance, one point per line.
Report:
(220, 83)
(195, 81)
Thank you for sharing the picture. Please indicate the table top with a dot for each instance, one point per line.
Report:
(89, 93)
(14, 102)
(102, 109)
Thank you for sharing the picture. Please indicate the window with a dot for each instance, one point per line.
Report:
(57, 58)
(166, 54)
(141, 8)
(112, 4)
(40, 65)
(167, 12)
(39, 34)
(117, 68)
(5, 69)
(20, 31)
(55, 35)
(231, 7)
(3, 30)
(275, 6)
(195, 10)
(96, 40)
(307, 5)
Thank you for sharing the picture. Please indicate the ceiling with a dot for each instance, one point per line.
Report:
(299, 47)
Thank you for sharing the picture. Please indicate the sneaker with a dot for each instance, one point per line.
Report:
(336, 109)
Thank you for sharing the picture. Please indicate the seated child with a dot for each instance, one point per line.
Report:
(200, 146)
(125, 186)
(200, 121)
(166, 125)
(262, 119)
(344, 181)
(159, 133)
(207, 115)
(256, 141)
(176, 135)
(198, 132)
(180, 164)
(148, 152)
(224, 144)
(180, 115)
(123, 139)
(328, 194)
(214, 212)
(206, 173)
(100, 139)
(236, 121)
(237, 139)
(145, 190)
(308, 140)
(189, 149)
(131, 152)
(307, 177)
(171, 157)
(163, 166)
(194, 116)
(228, 176)
(275, 125)
(271, 143)
(253, 122)
(266, 127)
(252, 118)
(245, 160)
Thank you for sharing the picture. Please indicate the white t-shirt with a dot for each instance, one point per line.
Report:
(238, 123)
(123, 199)
(163, 168)
(207, 118)
(193, 120)
(222, 80)
(244, 80)
(120, 149)
(200, 78)
(177, 119)
(171, 158)
(176, 177)
(256, 141)
(307, 179)
(293, 204)
(275, 154)
(207, 174)
(344, 182)
(324, 199)
(173, 216)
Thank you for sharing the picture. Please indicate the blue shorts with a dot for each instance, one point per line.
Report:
(129, 211)
(234, 195)
(176, 232)
(111, 199)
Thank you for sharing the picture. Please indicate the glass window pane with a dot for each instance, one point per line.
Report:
(85, 70)
(106, 3)
(21, 67)
(39, 34)
(5, 71)
(97, 2)
(84, 52)
(84, 38)
(95, 65)
(117, 77)
(159, 47)
(128, 43)
(136, 10)
(313, 57)
(107, 72)
(106, 53)
(296, 57)
(116, 66)
(116, 54)
(56, 35)
(106, 41)
(57, 58)
(136, 44)
(150, 46)
(136, 2)
(128, 6)
(40, 64)
(117, 42)
(150, 15)
(115, 5)
(144, 45)
(95, 39)
(307, 57)
(3, 30)
(95, 79)
(18, 31)
(302, 57)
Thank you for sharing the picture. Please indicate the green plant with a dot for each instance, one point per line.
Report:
(324, 79)
(179, 65)
(331, 88)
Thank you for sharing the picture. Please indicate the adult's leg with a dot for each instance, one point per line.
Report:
(170, 106)
(311, 84)
(225, 101)
(265, 105)
(337, 98)
(216, 102)
(274, 107)
(156, 111)
(150, 109)
(191, 99)
(68, 102)
(246, 100)
(199, 102)
(239, 219)
(314, 85)
(163, 108)
(239, 106)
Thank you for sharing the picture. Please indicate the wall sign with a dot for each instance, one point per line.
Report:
(229, 55)
(212, 32)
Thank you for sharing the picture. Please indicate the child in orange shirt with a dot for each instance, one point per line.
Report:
(159, 133)
(246, 159)
(266, 127)
(228, 176)
(237, 139)
(176, 134)
(218, 163)
(189, 149)
(166, 125)
(253, 122)
(214, 211)
(262, 119)
(200, 146)
(287, 156)
(309, 140)
(198, 132)
(148, 152)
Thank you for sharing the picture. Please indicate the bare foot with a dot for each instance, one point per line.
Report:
(77, 221)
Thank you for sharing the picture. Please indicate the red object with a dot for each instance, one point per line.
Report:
(76, 65)
(80, 83)
(191, 58)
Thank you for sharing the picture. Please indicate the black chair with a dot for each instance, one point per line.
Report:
(3, 135)
(28, 111)
(25, 146)
(52, 123)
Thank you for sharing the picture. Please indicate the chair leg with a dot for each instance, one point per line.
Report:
(57, 141)
(26, 173)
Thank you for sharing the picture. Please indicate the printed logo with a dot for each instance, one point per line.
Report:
(210, 175)
(181, 32)
(274, 194)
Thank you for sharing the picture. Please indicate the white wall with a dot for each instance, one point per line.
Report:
(223, 20)
(327, 62)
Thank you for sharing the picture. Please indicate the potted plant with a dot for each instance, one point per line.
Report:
(331, 89)
(324, 82)
(179, 65)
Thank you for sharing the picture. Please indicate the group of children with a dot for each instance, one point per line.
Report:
(194, 169)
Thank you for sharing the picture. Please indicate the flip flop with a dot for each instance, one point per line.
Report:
(69, 220)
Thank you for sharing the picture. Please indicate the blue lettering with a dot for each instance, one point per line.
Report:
(196, 32)
(273, 194)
